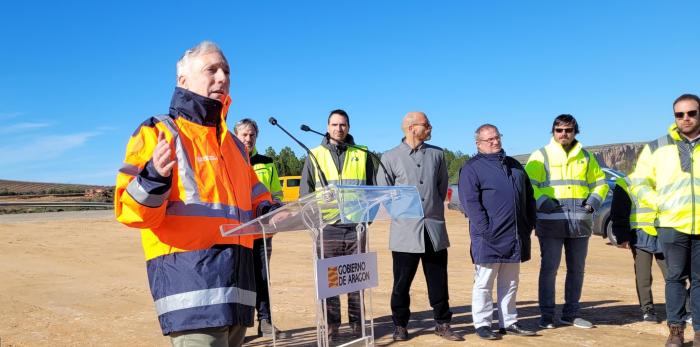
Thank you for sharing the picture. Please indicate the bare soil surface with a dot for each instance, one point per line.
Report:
(78, 278)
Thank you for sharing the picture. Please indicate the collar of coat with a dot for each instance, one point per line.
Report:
(676, 135)
(326, 142)
(408, 148)
(555, 146)
(198, 109)
(494, 156)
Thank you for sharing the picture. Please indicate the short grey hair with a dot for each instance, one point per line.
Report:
(484, 127)
(246, 122)
(201, 48)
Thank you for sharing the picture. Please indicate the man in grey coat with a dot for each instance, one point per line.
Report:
(414, 162)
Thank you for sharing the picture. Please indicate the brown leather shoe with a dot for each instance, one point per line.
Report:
(443, 330)
(675, 335)
(696, 339)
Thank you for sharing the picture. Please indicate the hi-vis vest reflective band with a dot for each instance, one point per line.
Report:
(196, 201)
(667, 178)
(266, 171)
(197, 277)
(640, 217)
(573, 179)
(353, 171)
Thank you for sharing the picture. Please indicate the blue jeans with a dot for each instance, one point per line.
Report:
(576, 250)
(682, 253)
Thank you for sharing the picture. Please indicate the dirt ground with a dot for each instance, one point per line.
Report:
(78, 278)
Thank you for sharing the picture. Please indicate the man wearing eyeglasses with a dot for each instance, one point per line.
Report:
(246, 130)
(497, 198)
(416, 163)
(568, 187)
(667, 178)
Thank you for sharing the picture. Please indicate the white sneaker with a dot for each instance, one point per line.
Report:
(577, 322)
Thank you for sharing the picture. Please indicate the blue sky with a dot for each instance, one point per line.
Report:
(77, 78)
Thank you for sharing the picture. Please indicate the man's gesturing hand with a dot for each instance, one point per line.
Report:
(162, 157)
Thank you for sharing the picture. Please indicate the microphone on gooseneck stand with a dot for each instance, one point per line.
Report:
(322, 177)
(306, 128)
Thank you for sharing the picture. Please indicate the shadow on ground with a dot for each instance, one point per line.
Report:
(603, 312)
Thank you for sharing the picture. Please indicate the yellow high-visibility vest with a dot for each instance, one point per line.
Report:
(641, 217)
(354, 172)
(573, 179)
(667, 179)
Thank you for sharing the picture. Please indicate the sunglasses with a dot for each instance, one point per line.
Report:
(563, 130)
(691, 114)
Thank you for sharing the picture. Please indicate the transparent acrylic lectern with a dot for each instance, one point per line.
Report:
(337, 218)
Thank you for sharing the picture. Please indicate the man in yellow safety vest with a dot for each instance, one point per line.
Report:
(667, 178)
(568, 186)
(340, 164)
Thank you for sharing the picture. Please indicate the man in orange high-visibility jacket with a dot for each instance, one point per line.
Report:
(184, 175)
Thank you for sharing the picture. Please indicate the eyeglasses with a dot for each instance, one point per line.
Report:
(427, 125)
(492, 139)
(563, 130)
(691, 114)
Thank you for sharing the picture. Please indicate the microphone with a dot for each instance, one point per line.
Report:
(306, 128)
(322, 176)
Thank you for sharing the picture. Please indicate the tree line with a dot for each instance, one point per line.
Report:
(288, 164)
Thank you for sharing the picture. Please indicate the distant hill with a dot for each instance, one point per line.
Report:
(8, 187)
(618, 156)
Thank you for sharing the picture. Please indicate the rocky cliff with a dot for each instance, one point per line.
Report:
(618, 156)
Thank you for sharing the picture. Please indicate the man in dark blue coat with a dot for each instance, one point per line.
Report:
(497, 197)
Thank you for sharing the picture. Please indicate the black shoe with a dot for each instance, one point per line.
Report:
(356, 329)
(486, 333)
(516, 329)
(265, 330)
(443, 330)
(650, 316)
(400, 333)
(546, 323)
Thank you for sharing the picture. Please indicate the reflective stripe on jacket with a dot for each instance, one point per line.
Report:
(666, 178)
(563, 183)
(266, 170)
(641, 216)
(353, 171)
(198, 278)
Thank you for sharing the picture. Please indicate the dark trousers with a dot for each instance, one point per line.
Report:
(341, 240)
(643, 278)
(682, 253)
(262, 297)
(576, 250)
(435, 271)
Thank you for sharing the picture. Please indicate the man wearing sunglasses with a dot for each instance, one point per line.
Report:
(568, 186)
(665, 178)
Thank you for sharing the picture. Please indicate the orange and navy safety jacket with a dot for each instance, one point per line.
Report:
(198, 278)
